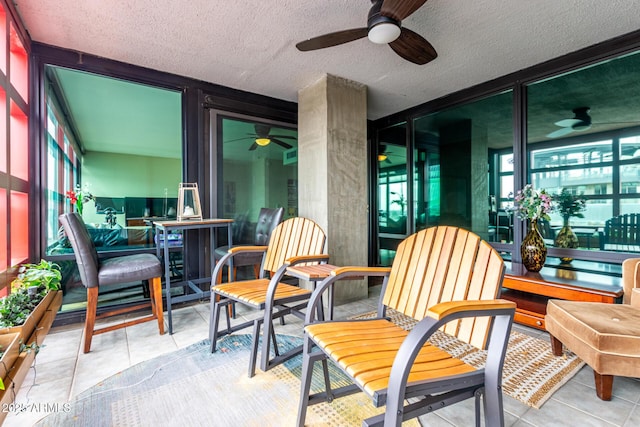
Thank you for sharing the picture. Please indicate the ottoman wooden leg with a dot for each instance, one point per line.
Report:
(604, 385)
(556, 346)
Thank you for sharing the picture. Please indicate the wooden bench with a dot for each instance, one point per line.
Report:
(621, 233)
(446, 278)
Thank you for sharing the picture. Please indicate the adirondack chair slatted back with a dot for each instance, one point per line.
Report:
(293, 237)
(621, 233)
(442, 264)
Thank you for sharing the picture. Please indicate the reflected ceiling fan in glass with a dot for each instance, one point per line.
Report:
(263, 137)
(580, 122)
(389, 155)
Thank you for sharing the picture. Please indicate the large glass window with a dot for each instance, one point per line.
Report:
(464, 167)
(462, 173)
(584, 139)
(259, 170)
(122, 143)
(14, 150)
(393, 191)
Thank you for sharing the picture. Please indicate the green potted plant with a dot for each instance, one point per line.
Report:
(35, 285)
(568, 205)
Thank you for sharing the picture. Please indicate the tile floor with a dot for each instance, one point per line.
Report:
(62, 371)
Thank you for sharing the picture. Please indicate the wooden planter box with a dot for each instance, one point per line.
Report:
(10, 344)
(34, 329)
(26, 329)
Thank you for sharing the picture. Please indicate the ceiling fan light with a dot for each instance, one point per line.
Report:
(262, 141)
(384, 32)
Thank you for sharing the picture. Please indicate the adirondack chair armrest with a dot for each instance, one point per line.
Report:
(306, 258)
(445, 309)
(337, 274)
(502, 312)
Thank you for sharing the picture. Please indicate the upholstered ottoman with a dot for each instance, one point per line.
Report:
(605, 336)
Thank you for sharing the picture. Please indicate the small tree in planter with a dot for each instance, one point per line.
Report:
(33, 283)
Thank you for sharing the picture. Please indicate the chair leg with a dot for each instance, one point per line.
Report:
(213, 320)
(305, 381)
(155, 290)
(254, 347)
(493, 407)
(90, 321)
(478, 395)
(556, 346)
(268, 333)
(604, 385)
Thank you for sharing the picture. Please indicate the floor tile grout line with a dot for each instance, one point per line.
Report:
(588, 413)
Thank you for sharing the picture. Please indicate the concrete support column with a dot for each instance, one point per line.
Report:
(332, 171)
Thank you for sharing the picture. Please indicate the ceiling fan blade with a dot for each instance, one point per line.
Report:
(400, 9)
(283, 136)
(617, 123)
(413, 47)
(567, 123)
(253, 146)
(281, 143)
(560, 132)
(237, 139)
(332, 39)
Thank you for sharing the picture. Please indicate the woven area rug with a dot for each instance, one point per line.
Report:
(193, 387)
(531, 373)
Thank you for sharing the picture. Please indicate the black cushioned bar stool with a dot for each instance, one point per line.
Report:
(96, 273)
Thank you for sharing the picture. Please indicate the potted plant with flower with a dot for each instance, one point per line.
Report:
(533, 205)
(568, 205)
(79, 197)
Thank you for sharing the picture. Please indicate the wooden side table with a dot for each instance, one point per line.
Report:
(531, 291)
(314, 273)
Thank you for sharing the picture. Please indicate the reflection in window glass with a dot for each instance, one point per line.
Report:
(260, 170)
(506, 189)
(457, 144)
(630, 179)
(506, 163)
(585, 181)
(572, 155)
(393, 197)
(580, 140)
(630, 148)
(630, 206)
(131, 162)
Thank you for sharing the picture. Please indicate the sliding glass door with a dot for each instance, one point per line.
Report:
(120, 143)
(257, 164)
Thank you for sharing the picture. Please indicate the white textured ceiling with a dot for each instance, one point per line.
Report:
(250, 44)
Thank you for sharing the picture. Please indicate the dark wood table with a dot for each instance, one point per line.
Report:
(163, 229)
(531, 291)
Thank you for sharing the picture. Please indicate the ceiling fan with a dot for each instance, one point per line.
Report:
(581, 121)
(383, 27)
(263, 137)
(385, 154)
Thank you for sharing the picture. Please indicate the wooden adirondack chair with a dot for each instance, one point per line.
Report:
(294, 241)
(445, 277)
